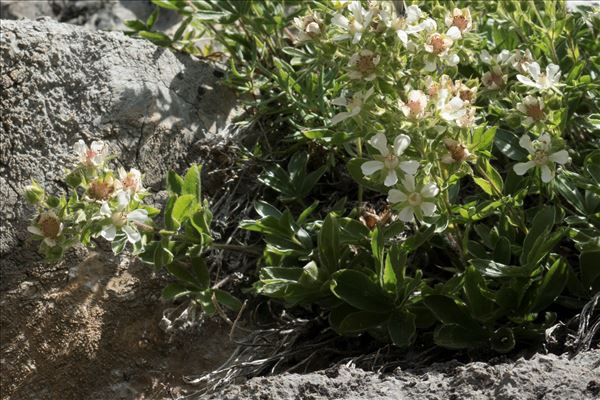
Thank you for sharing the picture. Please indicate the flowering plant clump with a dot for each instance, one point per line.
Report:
(108, 205)
(448, 151)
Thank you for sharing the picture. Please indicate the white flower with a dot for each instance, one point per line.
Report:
(389, 159)
(457, 152)
(363, 65)
(541, 155)
(520, 60)
(120, 219)
(439, 43)
(501, 58)
(415, 105)
(92, 156)
(130, 182)
(468, 119)
(541, 80)
(460, 19)
(533, 108)
(465, 93)
(309, 27)
(355, 25)
(494, 79)
(413, 200)
(407, 25)
(454, 109)
(48, 226)
(354, 105)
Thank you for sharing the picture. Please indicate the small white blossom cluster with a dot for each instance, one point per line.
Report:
(109, 202)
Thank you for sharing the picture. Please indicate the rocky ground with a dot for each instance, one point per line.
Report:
(93, 326)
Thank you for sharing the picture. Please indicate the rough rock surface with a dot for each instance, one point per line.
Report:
(547, 377)
(93, 14)
(62, 83)
(89, 327)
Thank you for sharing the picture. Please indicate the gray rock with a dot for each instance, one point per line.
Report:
(547, 377)
(61, 83)
(93, 14)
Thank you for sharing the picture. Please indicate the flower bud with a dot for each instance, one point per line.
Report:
(34, 193)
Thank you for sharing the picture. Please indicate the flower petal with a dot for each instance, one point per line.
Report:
(133, 236)
(534, 70)
(407, 214)
(525, 142)
(409, 166)
(340, 117)
(522, 168)
(122, 200)
(109, 232)
(429, 190)
(560, 157)
(401, 143)
(105, 210)
(391, 178)
(35, 230)
(526, 81)
(402, 35)
(454, 33)
(370, 167)
(396, 196)
(379, 141)
(547, 173)
(140, 215)
(428, 209)
(340, 20)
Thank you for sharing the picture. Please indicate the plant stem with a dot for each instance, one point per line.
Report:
(360, 187)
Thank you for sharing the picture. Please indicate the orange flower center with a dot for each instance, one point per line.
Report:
(365, 64)
(460, 21)
(466, 95)
(49, 225)
(535, 112)
(437, 42)
(101, 189)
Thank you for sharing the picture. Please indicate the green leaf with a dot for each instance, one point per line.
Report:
(152, 18)
(329, 244)
(170, 4)
(453, 336)
(170, 223)
(184, 207)
(552, 285)
(228, 300)
(158, 38)
(589, 262)
(497, 270)
(543, 221)
(482, 140)
(502, 252)
(447, 311)
(265, 209)
(402, 328)
(192, 182)
(174, 182)
(480, 306)
(174, 291)
(508, 144)
(135, 24)
(361, 320)
(484, 185)
(356, 289)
